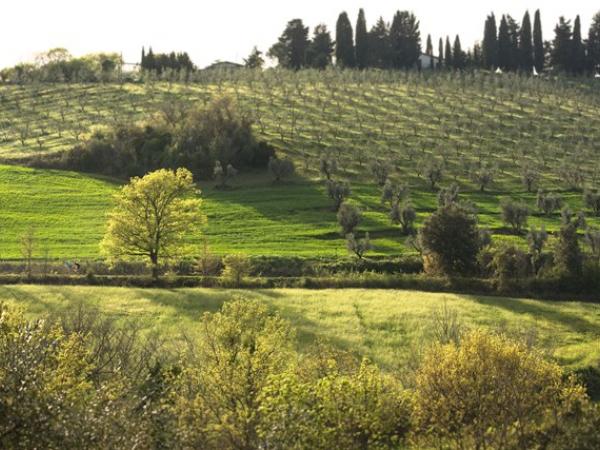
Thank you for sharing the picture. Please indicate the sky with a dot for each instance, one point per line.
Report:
(227, 30)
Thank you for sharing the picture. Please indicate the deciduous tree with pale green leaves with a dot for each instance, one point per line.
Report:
(152, 217)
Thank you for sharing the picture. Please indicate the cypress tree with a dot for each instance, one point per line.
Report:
(538, 43)
(362, 41)
(291, 48)
(562, 45)
(405, 40)
(504, 45)
(577, 48)
(490, 43)
(379, 45)
(593, 43)
(526, 45)
(513, 32)
(448, 59)
(458, 56)
(429, 50)
(150, 60)
(143, 63)
(344, 50)
(441, 53)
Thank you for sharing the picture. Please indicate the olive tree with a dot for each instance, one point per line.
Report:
(380, 171)
(223, 176)
(404, 214)
(281, 168)
(152, 216)
(548, 202)
(358, 246)
(393, 193)
(514, 214)
(349, 216)
(337, 191)
(591, 199)
(536, 239)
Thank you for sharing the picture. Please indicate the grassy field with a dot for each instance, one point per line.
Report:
(460, 121)
(390, 327)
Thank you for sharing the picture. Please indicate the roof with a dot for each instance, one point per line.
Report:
(224, 65)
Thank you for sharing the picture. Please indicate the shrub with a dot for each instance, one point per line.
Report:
(349, 217)
(548, 203)
(510, 263)
(358, 246)
(514, 214)
(281, 168)
(591, 199)
(537, 240)
(404, 215)
(236, 268)
(490, 392)
(450, 240)
(337, 191)
(567, 254)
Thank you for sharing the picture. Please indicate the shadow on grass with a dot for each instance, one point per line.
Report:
(550, 311)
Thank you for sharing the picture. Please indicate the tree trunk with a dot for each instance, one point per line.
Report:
(154, 259)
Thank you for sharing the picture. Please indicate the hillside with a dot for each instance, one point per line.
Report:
(463, 123)
(386, 326)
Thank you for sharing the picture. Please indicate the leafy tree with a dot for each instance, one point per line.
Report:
(567, 253)
(290, 50)
(379, 45)
(591, 198)
(224, 176)
(358, 246)
(327, 167)
(562, 46)
(236, 268)
(536, 239)
(514, 214)
(450, 240)
(362, 41)
(448, 195)
(593, 42)
(526, 44)
(490, 43)
(380, 171)
(338, 191)
(349, 217)
(405, 40)
(509, 263)
(548, 203)
(448, 57)
(281, 168)
(433, 172)
(404, 214)
(578, 57)
(393, 193)
(539, 54)
(320, 49)
(529, 177)
(592, 238)
(152, 217)
(344, 50)
(492, 392)
(458, 56)
(255, 59)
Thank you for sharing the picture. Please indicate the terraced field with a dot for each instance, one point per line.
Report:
(462, 123)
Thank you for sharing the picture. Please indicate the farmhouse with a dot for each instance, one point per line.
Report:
(425, 61)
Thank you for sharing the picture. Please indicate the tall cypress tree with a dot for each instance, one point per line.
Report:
(405, 40)
(593, 43)
(562, 45)
(150, 60)
(490, 43)
(441, 53)
(458, 56)
(344, 49)
(379, 45)
(290, 50)
(526, 45)
(448, 59)
(362, 41)
(504, 45)
(514, 32)
(143, 63)
(538, 43)
(320, 49)
(578, 55)
(429, 50)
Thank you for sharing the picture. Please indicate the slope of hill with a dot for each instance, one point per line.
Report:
(462, 123)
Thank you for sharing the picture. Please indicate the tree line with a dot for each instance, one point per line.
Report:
(508, 45)
(161, 62)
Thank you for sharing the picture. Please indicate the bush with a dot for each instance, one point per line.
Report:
(349, 217)
(490, 392)
(567, 254)
(236, 267)
(281, 168)
(510, 263)
(450, 241)
(514, 214)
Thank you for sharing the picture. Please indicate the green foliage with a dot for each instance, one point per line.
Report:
(349, 217)
(281, 168)
(152, 216)
(514, 214)
(358, 246)
(591, 199)
(338, 191)
(451, 240)
(236, 267)
(461, 391)
(344, 42)
(290, 50)
(567, 253)
(320, 48)
(510, 264)
(404, 214)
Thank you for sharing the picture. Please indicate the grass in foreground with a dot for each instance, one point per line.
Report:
(390, 327)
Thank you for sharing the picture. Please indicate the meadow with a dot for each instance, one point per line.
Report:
(389, 327)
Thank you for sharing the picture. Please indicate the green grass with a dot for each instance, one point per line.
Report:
(389, 327)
